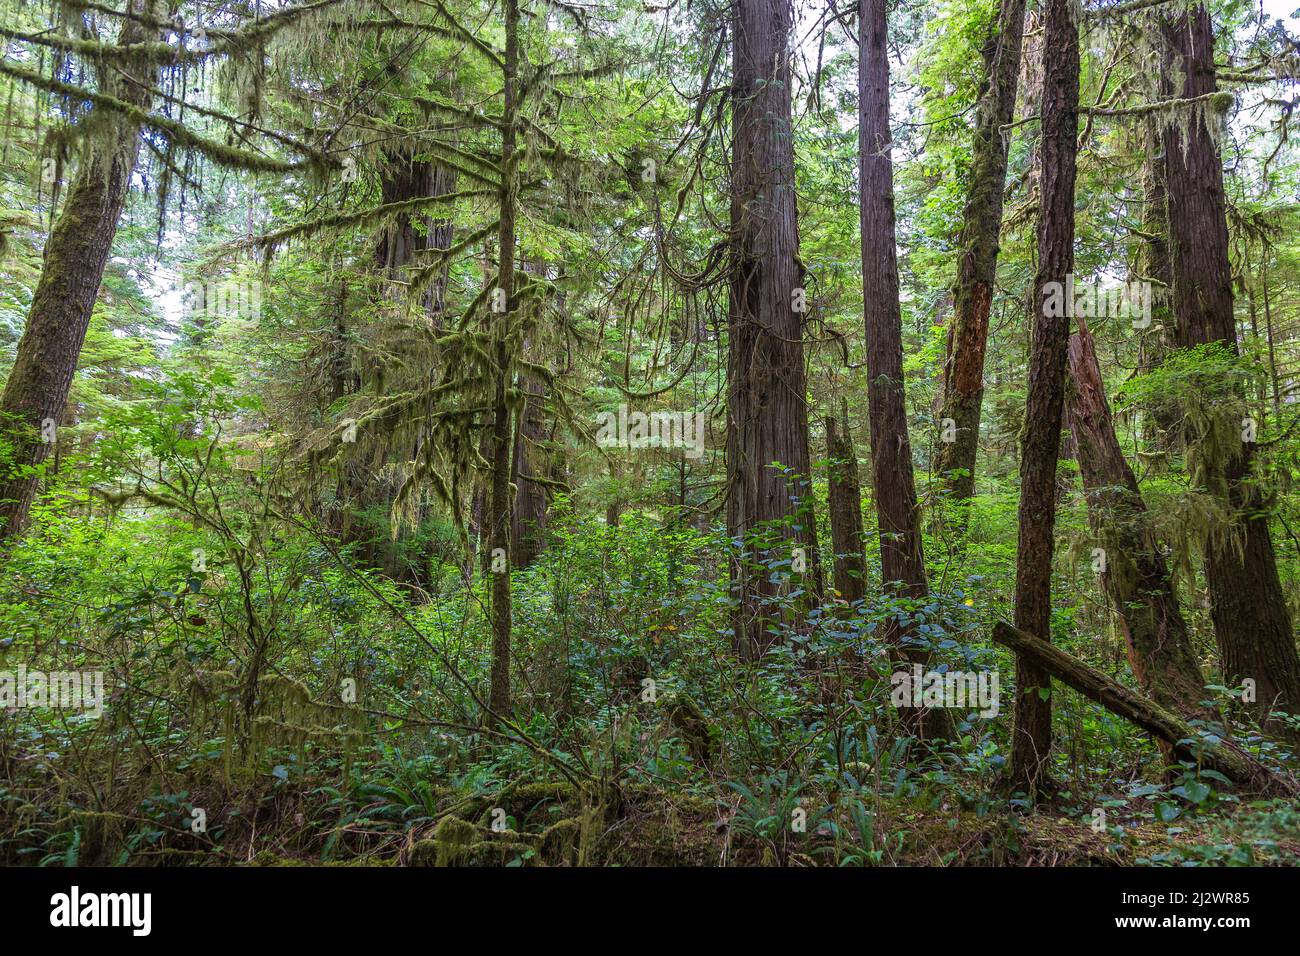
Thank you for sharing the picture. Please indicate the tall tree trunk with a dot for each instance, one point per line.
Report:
(401, 179)
(1154, 267)
(767, 406)
(528, 526)
(499, 505)
(442, 181)
(844, 494)
(1134, 573)
(528, 523)
(1251, 623)
(1041, 437)
(902, 562)
(75, 256)
(968, 333)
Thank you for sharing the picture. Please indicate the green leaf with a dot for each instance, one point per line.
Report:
(1196, 791)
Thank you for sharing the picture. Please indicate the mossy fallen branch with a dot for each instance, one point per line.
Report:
(1186, 741)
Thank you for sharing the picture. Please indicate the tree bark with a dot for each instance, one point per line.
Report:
(499, 505)
(1252, 625)
(403, 179)
(1041, 437)
(1135, 576)
(1156, 268)
(766, 402)
(528, 523)
(898, 516)
(75, 256)
(968, 333)
(844, 493)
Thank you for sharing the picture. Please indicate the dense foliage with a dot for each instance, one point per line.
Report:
(267, 511)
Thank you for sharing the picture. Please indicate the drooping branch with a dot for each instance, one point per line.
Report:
(171, 54)
(175, 131)
(361, 218)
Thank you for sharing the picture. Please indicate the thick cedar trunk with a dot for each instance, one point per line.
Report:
(528, 522)
(767, 405)
(844, 493)
(399, 242)
(404, 179)
(1251, 622)
(401, 179)
(1135, 577)
(75, 256)
(528, 526)
(441, 232)
(902, 563)
(1040, 439)
(968, 332)
(1133, 707)
(532, 499)
(499, 505)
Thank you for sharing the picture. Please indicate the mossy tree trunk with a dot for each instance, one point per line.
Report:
(1251, 622)
(968, 331)
(1134, 573)
(1031, 742)
(1161, 723)
(529, 465)
(1155, 267)
(75, 256)
(499, 503)
(528, 525)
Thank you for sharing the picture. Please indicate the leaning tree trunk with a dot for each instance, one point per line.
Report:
(766, 402)
(1251, 622)
(1134, 574)
(1184, 740)
(75, 256)
(1031, 741)
(968, 333)
(902, 562)
(844, 502)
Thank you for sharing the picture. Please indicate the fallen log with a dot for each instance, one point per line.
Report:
(1187, 743)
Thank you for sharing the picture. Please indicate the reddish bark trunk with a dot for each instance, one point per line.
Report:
(766, 403)
(1031, 742)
